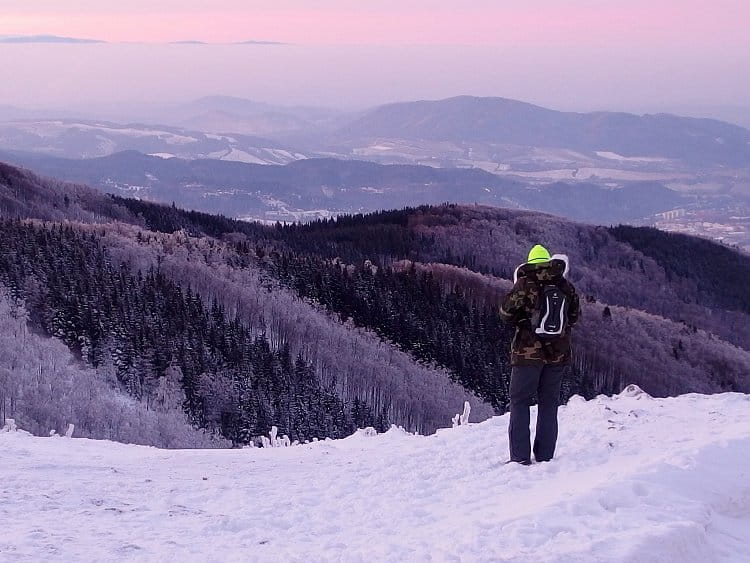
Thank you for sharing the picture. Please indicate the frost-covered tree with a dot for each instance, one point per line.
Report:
(44, 388)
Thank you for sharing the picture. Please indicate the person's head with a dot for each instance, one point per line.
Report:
(538, 255)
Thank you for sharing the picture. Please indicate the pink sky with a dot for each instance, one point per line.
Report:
(388, 22)
(648, 55)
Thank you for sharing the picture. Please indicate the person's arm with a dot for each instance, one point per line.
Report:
(513, 308)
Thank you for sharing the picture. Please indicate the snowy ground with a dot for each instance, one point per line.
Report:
(636, 479)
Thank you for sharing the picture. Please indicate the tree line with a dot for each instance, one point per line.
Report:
(158, 336)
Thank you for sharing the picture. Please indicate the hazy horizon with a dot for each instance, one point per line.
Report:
(77, 76)
(583, 55)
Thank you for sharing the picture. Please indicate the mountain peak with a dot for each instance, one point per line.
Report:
(503, 121)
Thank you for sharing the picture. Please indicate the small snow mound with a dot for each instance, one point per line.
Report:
(633, 390)
(396, 432)
(368, 432)
(576, 399)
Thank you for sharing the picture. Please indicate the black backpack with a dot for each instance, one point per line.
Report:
(550, 317)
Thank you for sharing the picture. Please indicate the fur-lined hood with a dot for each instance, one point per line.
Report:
(559, 263)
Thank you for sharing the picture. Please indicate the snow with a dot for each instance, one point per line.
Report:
(549, 154)
(106, 146)
(261, 156)
(634, 479)
(236, 155)
(614, 156)
(220, 137)
(53, 128)
(590, 173)
(283, 212)
(486, 165)
(284, 156)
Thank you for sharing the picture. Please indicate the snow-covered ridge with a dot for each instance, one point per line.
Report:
(635, 479)
(82, 139)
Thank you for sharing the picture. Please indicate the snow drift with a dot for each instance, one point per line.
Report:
(635, 479)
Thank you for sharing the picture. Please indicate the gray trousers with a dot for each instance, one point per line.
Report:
(525, 382)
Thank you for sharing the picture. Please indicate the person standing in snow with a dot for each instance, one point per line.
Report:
(544, 307)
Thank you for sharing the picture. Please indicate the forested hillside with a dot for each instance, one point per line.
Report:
(237, 373)
(493, 241)
(679, 335)
(412, 308)
(363, 321)
(716, 273)
(44, 389)
(641, 314)
(199, 316)
(153, 334)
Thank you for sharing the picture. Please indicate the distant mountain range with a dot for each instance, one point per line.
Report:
(495, 134)
(89, 139)
(226, 113)
(599, 167)
(45, 39)
(322, 187)
(501, 121)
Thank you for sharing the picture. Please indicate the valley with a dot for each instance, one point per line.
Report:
(601, 167)
(381, 318)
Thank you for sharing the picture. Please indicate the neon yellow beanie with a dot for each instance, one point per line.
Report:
(538, 255)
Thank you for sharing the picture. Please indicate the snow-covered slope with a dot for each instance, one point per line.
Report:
(635, 479)
(90, 139)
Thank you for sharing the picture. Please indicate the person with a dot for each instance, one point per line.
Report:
(540, 349)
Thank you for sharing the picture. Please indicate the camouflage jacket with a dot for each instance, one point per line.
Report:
(520, 303)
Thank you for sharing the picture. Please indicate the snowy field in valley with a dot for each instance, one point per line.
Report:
(635, 479)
